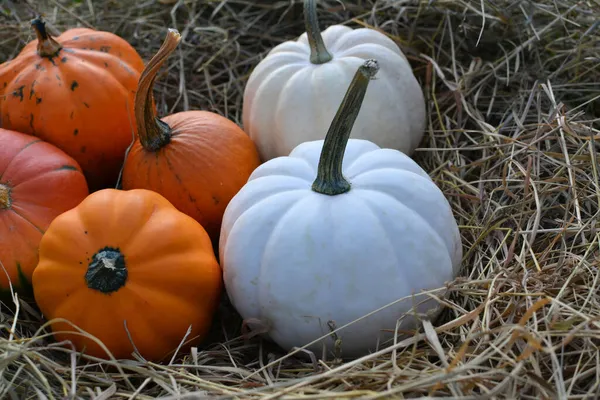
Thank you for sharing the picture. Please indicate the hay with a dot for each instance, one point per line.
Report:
(513, 93)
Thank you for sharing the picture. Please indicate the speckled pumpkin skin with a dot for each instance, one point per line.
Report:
(80, 100)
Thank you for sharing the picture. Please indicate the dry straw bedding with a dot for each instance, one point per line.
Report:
(513, 95)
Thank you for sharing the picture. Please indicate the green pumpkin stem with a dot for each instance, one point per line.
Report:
(107, 271)
(154, 133)
(318, 52)
(47, 46)
(330, 180)
(5, 200)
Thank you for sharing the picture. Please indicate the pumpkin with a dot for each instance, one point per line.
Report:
(76, 92)
(38, 182)
(127, 263)
(197, 159)
(335, 231)
(293, 93)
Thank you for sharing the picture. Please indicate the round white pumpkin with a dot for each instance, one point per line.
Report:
(298, 254)
(290, 99)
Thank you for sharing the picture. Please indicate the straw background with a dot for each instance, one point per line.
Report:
(513, 95)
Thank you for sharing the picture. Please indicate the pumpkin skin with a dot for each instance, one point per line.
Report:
(38, 182)
(198, 160)
(295, 259)
(289, 99)
(78, 98)
(170, 280)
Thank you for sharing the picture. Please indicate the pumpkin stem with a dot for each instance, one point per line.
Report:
(107, 272)
(153, 132)
(330, 180)
(47, 46)
(318, 52)
(5, 200)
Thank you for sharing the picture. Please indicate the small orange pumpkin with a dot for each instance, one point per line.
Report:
(198, 160)
(37, 183)
(75, 92)
(127, 257)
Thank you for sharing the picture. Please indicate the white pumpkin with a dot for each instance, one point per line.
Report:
(293, 93)
(334, 231)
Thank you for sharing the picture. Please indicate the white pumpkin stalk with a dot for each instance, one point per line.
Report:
(294, 92)
(334, 231)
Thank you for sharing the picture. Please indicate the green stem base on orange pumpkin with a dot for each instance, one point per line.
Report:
(5, 200)
(107, 272)
(22, 287)
(47, 46)
(318, 52)
(330, 180)
(154, 133)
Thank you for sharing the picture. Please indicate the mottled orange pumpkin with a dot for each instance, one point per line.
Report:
(37, 183)
(198, 160)
(127, 257)
(75, 92)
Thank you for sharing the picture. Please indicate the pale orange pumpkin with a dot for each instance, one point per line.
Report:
(127, 261)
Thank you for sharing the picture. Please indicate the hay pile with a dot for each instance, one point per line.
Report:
(513, 94)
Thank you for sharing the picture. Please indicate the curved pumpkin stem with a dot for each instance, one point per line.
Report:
(318, 52)
(330, 179)
(5, 200)
(47, 46)
(153, 133)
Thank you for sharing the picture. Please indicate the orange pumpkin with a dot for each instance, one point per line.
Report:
(76, 92)
(37, 183)
(198, 160)
(127, 257)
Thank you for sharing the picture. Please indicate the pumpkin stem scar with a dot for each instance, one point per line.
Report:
(330, 180)
(318, 52)
(5, 200)
(154, 134)
(47, 46)
(107, 271)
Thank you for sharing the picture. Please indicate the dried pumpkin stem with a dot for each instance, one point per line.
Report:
(47, 46)
(107, 271)
(318, 52)
(153, 132)
(330, 180)
(5, 200)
